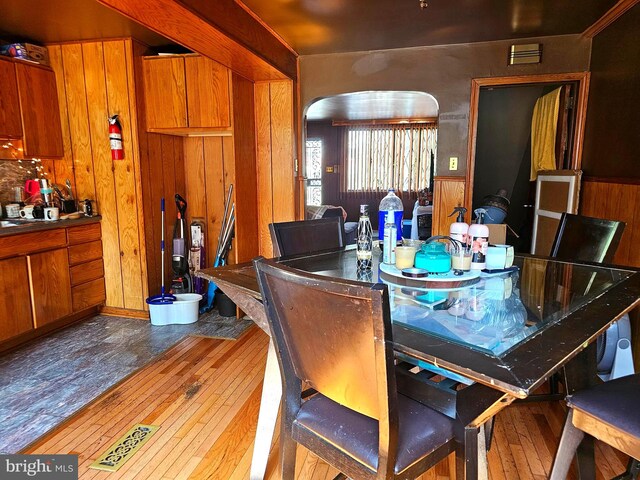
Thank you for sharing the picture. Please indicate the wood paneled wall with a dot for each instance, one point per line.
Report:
(602, 198)
(275, 157)
(448, 193)
(95, 80)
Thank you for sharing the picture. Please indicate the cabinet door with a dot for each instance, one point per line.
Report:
(15, 308)
(207, 93)
(50, 286)
(42, 134)
(10, 125)
(165, 92)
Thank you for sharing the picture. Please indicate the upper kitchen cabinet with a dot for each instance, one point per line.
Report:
(186, 95)
(10, 124)
(29, 108)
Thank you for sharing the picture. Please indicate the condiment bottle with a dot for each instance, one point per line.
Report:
(364, 240)
(478, 241)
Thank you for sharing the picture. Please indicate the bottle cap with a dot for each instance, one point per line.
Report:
(364, 210)
(461, 212)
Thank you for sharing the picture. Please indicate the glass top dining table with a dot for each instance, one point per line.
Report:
(509, 331)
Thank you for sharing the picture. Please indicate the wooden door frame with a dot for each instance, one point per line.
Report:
(582, 78)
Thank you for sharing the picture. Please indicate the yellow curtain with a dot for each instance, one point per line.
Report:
(543, 133)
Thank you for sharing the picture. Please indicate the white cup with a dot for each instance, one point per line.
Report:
(13, 210)
(499, 257)
(51, 213)
(27, 211)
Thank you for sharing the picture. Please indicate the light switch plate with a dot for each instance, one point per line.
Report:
(453, 163)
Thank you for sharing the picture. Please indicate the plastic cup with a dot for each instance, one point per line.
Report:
(405, 257)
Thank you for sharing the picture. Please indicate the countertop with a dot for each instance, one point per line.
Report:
(27, 226)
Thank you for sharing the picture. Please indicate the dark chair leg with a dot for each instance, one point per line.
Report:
(569, 442)
(459, 462)
(488, 432)
(632, 472)
(287, 453)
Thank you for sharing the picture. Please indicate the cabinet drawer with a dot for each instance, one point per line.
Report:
(83, 233)
(32, 242)
(85, 252)
(85, 272)
(88, 294)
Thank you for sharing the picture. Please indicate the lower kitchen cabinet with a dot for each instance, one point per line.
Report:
(15, 308)
(50, 286)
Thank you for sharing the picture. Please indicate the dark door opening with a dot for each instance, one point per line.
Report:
(503, 149)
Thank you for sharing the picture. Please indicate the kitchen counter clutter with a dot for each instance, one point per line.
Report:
(13, 226)
(51, 273)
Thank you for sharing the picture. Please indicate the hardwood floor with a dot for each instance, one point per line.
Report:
(205, 393)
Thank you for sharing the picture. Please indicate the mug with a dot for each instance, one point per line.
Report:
(51, 213)
(27, 211)
(499, 257)
(13, 210)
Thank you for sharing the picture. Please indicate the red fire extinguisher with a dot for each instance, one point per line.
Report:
(115, 138)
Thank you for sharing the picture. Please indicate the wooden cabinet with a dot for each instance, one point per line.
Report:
(10, 125)
(50, 286)
(48, 279)
(15, 308)
(42, 135)
(186, 95)
(29, 108)
(207, 93)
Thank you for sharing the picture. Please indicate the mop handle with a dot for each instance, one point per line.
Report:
(162, 244)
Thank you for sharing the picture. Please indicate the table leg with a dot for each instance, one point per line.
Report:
(475, 452)
(268, 415)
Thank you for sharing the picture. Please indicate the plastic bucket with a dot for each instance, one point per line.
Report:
(181, 312)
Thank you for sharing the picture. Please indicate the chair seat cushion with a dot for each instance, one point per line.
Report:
(421, 430)
(616, 402)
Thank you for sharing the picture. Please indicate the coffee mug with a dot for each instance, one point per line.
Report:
(51, 213)
(27, 211)
(499, 257)
(13, 210)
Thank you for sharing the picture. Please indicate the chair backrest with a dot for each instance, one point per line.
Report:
(307, 236)
(334, 335)
(586, 239)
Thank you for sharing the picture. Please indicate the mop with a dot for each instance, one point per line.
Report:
(163, 298)
(224, 244)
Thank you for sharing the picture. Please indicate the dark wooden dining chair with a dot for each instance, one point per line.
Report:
(335, 335)
(307, 236)
(586, 239)
(609, 412)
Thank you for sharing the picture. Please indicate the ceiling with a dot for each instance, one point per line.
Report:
(374, 105)
(52, 21)
(329, 26)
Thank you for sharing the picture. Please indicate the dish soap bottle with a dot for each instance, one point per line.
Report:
(364, 242)
(479, 241)
(389, 240)
(390, 203)
(459, 229)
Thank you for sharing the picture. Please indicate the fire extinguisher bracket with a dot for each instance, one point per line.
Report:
(115, 138)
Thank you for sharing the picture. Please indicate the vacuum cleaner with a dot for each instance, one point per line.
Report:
(181, 282)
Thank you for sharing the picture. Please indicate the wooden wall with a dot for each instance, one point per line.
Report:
(605, 198)
(275, 157)
(448, 193)
(95, 80)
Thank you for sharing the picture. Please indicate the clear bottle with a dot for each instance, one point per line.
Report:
(390, 203)
(364, 240)
(389, 240)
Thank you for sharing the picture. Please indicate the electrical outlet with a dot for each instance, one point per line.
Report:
(453, 163)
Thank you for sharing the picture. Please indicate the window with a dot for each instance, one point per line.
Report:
(314, 171)
(379, 157)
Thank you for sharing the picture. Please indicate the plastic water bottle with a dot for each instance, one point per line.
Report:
(390, 203)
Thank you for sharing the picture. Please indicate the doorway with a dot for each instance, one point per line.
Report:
(500, 144)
